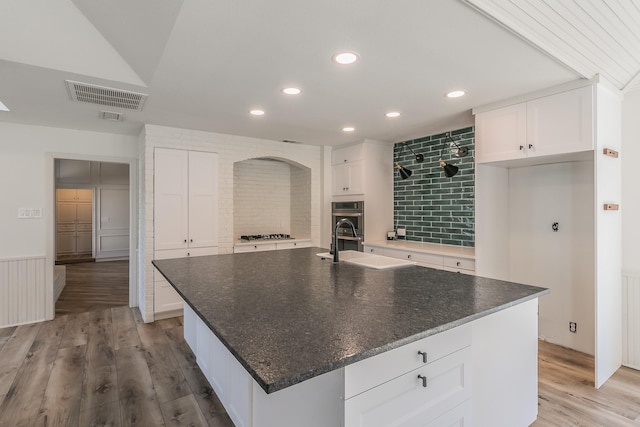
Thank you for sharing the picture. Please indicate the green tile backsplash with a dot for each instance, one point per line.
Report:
(432, 207)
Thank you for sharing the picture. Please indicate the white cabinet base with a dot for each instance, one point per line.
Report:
(493, 381)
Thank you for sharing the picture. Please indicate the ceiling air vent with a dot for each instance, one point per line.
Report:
(111, 115)
(100, 95)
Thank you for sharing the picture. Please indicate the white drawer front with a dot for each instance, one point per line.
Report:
(460, 263)
(419, 257)
(293, 245)
(255, 248)
(369, 373)
(406, 402)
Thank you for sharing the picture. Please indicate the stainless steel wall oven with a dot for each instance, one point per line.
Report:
(354, 212)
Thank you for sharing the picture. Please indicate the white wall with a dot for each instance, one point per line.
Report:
(630, 205)
(28, 154)
(262, 197)
(23, 165)
(538, 197)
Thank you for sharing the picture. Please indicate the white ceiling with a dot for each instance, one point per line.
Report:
(205, 63)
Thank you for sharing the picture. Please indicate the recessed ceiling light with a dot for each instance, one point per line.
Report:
(257, 112)
(393, 114)
(345, 58)
(455, 94)
(3, 107)
(348, 129)
(291, 91)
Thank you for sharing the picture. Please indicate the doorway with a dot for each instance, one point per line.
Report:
(93, 234)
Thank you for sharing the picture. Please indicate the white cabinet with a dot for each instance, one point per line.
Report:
(517, 205)
(549, 125)
(501, 134)
(364, 172)
(425, 258)
(348, 178)
(186, 199)
(74, 223)
(270, 246)
(347, 154)
(185, 213)
(406, 395)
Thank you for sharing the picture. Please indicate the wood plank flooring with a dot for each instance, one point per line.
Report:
(108, 368)
(103, 368)
(94, 286)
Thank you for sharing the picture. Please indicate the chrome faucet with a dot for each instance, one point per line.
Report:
(335, 236)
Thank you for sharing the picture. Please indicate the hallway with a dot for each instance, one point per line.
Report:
(92, 286)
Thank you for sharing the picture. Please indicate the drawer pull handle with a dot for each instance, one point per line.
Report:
(424, 356)
(423, 379)
(458, 263)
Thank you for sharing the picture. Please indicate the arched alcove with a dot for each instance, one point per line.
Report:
(271, 196)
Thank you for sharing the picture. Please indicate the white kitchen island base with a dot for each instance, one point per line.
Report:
(481, 373)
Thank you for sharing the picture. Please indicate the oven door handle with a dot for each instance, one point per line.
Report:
(347, 214)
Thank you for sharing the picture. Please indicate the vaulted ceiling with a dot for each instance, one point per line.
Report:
(205, 63)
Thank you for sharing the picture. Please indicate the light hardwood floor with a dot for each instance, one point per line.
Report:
(103, 368)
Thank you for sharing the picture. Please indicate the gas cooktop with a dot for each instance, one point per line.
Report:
(252, 237)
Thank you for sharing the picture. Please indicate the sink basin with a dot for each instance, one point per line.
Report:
(362, 259)
(380, 262)
(345, 255)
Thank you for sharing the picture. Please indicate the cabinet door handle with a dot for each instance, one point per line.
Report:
(458, 264)
(423, 379)
(185, 240)
(408, 256)
(530, 146)
(424, 356)
(191, 240)
(522, 147)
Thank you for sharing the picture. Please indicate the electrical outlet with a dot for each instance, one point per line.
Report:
(573, 327)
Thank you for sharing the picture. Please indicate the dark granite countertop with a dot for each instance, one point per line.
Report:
(289, 315)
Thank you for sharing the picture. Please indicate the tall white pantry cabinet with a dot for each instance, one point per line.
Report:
(185, 214)
(547, 211)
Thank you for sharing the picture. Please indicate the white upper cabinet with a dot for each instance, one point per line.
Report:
(347, 178)
(561, 123)
(347, 154)
(171, 197)
(186, 199)
(550, 125)
(501, 134)
(203, 199)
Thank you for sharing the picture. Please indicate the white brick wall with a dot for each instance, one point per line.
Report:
(301, 202)
(231, 149)
(262, 197)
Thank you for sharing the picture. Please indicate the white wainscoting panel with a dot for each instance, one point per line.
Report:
(631, 320)
(22, 291)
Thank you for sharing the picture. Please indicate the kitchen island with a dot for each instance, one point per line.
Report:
(287, 338)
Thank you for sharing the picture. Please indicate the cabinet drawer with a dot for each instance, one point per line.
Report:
(165, 298)
(406, 401)
(419, 257)
(255, 248)
(369, 373)
(460, 263)
(293, 245)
